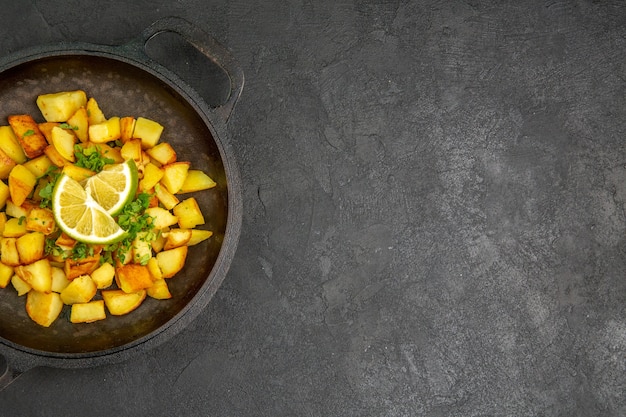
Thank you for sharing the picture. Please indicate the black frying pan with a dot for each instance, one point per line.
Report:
(133, 80)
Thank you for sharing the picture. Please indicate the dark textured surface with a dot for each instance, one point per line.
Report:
(434, 214)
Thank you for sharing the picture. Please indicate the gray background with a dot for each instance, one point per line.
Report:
(434, 214)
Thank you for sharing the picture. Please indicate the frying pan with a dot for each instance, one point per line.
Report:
(161, 75)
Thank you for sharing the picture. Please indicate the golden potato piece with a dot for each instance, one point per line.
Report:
(58, 107)
(148, 131)
(43, 308)
(196, 181)
(28, 134)
(4, 194)
(88, 312)
(127, 127)
(119, 302)
(163, 153)
(38, 275)
(40, 220)
(159, 290)
(63, 141)
(80, 290)
(174, 176)
(176, 237)
(30, 247)
(103, 276)
(8, 251)
(59, 280)
(6, 273)
(107, 131)
(75, 268)
(6, 165)
(39, 166)
(11, 145)
(79, 122)
(131, 278)
(198, 235)
(20, 285)
(172, 261)
(161, 218)
(21, 184)
(188, 213)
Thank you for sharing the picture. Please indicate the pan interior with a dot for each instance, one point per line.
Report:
(121, 89)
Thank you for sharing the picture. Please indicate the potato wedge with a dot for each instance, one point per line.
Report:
(119, 302)
(132, 150)
(79, 123)
(188, 213)
(59, 280)
(152, 174)
(8, 251)
(54, 156)
(76, 172)
(39, 166)
(63, 141)
(6, 273)
(174, 176)
(30, 247)
(159, 290)
(11, 145)
(76, 268)
(28, 134)
(199, 235)
(163, 153)
(43, 308)
(40, 220)
(127, 127)
(176, 237)
(161, 218)
(104, 132)
(94, 114)
(154, 269)
(21, 286)
(131, 278)
(171, 261)
(21, 184)
(81, 290)
(4, 194)
(103, 276)
(88, 312)
(148, 131)
(196, 180)
(6, 165)
(58, 107)
(14, 227)
(46, 130)
(37, 274)
(167, 199)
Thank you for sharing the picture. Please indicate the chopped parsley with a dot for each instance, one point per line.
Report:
(51, 248)
(91, 158)
(134, 221)
(46, 191)
(68, 126)
(81, 251)
(29, 132)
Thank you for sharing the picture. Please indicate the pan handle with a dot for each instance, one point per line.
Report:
(203, 43)
(7, 374)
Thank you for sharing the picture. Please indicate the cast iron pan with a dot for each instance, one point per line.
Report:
(141, 78)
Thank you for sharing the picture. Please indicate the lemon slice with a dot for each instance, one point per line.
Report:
(114, 186)
(80, 216)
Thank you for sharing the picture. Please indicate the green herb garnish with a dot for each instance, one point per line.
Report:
(91, 158)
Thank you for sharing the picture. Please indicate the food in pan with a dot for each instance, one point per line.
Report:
(94, 214)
